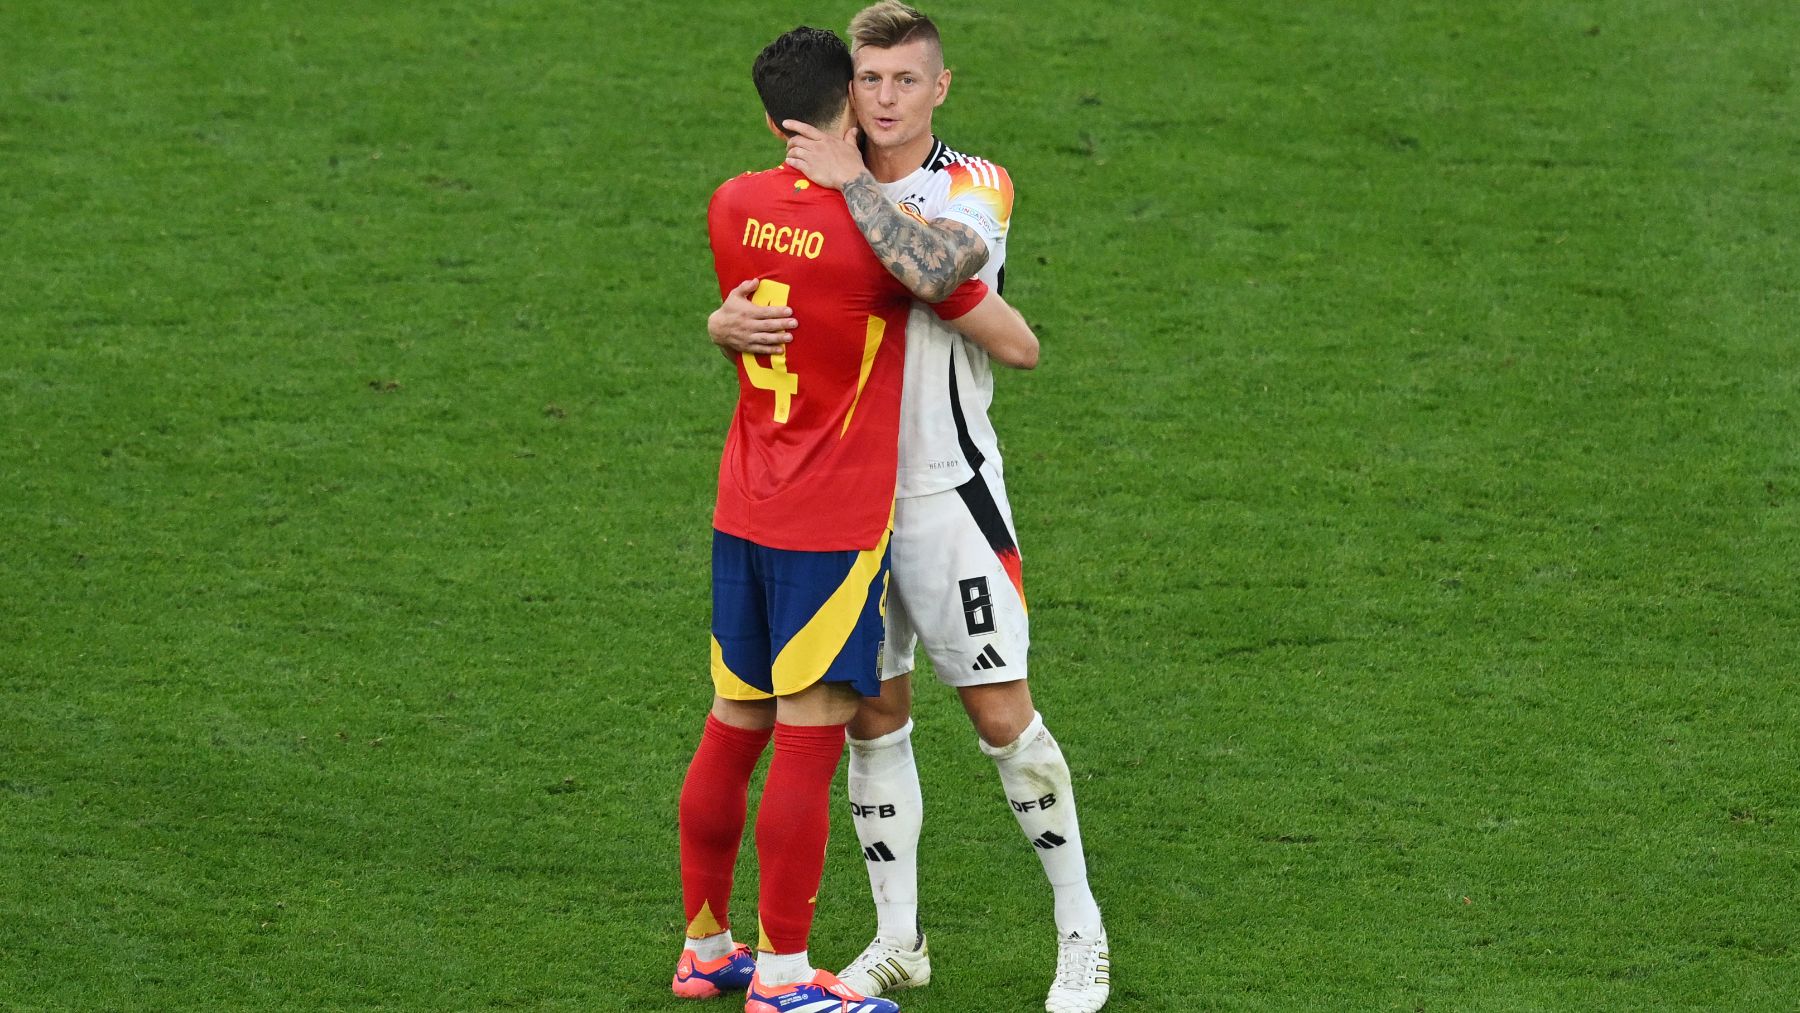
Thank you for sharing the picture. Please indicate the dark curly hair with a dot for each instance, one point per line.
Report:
(804, 75)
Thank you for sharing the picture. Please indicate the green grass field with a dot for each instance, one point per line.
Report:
(1410, 495)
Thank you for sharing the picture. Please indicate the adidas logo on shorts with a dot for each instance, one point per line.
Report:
(989, 659)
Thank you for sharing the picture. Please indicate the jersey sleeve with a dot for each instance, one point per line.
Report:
(967, 296)
(981, 197)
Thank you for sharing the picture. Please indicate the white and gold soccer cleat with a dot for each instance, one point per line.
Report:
(1083, 976)
(886, 966)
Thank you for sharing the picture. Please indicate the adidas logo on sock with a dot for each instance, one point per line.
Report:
(989, 658)
(878, 852)
(1048, 840)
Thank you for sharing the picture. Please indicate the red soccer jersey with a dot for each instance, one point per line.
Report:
(811, 457)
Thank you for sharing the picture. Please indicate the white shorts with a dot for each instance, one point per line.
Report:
(956, 585)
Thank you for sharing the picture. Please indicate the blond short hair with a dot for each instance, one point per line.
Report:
(891, 23)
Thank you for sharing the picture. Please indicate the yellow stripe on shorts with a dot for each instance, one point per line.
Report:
(726, 682)
(812, 650)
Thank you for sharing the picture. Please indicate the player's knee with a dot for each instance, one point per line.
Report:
(884, 714)
(1000, 712)
(824, 703)
(998, 730)
(753, 714)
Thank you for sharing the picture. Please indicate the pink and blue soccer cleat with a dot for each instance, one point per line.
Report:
(823, 994)
(705, 979)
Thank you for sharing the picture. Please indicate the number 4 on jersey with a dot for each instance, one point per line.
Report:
(775, 376)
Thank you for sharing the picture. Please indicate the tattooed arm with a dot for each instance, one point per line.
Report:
(931, 260)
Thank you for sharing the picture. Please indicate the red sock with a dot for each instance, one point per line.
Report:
(712, 821)
(791, 828)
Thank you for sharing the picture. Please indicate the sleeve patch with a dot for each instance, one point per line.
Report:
(981, 196)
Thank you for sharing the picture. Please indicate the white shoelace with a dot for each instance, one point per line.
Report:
(1078, 964)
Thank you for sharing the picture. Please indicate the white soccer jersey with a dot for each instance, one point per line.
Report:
(945, 433)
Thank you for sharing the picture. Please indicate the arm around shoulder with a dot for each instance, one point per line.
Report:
(931, 260)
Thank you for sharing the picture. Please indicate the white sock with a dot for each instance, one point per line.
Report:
(888, 810)
(712, 947)
(1036, 779)
(777, 969)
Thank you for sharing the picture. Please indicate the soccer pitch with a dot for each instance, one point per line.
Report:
(1409, 494)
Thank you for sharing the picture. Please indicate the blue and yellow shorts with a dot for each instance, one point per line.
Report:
(785, 619)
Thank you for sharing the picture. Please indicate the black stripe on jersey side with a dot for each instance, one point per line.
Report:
(971, 453)
(975, 492)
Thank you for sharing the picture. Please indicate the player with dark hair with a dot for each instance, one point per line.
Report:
(800, 543)
(936, 218)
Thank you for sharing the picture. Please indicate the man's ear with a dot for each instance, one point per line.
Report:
(943, 88)
(773, 129)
